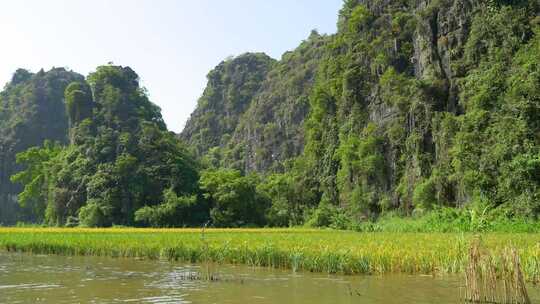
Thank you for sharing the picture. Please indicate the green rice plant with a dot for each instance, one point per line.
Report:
(329, 251)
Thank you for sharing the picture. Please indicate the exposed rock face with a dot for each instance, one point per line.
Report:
(262, 127)
(441, 35)
(32, 110)
(271, 130)
(396, 86)
(229, 93)
(253, 109)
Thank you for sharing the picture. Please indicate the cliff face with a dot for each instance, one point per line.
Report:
(252, 111)
(229, 92)
(32, 110)
(271, 131)
(399, 108)
(390, 123)
(263, 127)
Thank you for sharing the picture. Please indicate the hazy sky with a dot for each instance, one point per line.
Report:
(171, 44)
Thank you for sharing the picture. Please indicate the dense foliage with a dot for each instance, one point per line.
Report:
(235, 199)
(454, 126)
(416, 106)
(121, 158)
(423, 109)
(31, 111)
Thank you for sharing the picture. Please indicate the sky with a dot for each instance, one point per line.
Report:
(171, 44)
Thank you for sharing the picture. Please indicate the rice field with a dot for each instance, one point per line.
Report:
(312, 250)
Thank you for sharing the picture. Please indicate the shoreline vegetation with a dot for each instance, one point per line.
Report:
(313, 250)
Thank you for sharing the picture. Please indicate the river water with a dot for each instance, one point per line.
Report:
(57, 279)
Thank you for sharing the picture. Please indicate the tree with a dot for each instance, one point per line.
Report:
(234, 199)
(79, 103)
(37, 178)
(174, 211)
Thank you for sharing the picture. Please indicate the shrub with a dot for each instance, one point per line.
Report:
(425, 195)
(173, 212)
(93, 215)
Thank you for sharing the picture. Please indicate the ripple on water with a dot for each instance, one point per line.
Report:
(159, 300)
(31, 286)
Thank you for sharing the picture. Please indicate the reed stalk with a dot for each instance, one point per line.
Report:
(485, 284)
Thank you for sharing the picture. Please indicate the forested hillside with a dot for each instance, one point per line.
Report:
(427, 105)
(412, 109)
(31, 110)
(121, 160)
(417, 105)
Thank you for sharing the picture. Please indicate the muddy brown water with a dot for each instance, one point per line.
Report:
(28, 278)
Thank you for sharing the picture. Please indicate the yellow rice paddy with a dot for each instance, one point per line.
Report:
(313, 250)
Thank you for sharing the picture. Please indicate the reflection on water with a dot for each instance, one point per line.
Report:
(55, 279)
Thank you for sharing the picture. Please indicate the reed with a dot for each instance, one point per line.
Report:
(328, 251)
(490, 281)
(209, 269)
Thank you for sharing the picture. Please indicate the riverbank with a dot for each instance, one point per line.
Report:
(327, 251)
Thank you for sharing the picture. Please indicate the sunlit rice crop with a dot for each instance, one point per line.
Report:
(314, 250)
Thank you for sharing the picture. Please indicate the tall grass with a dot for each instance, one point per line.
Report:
(327, 251)
(450, 220)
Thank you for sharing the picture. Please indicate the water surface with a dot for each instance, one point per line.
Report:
(57, 279)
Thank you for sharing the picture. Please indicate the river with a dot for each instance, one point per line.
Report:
(26, 278)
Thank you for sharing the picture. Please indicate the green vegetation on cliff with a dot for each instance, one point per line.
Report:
(31, 110)
(231, 86)
(420, 109)
(416, 106)
(251, 114)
